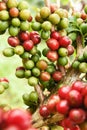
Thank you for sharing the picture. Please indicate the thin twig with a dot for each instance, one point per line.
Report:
(58, 3)
(50, 120)
(40, 93)
(47, 3)
(71, 4)
(79, 49)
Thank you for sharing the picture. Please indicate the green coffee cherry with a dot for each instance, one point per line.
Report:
(8, 52)
(29, 64)
(36, 26)
(62, 61)
(33, 81)
(76, 64)
(62, 52)
(33, 97)
(36, 72)
(83, 67)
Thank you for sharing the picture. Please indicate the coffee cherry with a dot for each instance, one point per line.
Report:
(20, 72)
(4, 15)
(19, 50)
(77, 115)
(23, 5)
(29, 64)
(83, 27)
(64, 41)
(13, 31)
(5, 84)
(45, 76)
(83, 67)
(63, 24)
(28, 45)
(36, 72)
(20, 118)
(33, 97)
(35, 58)
(56, 35)
(14, 12)
(25, 55)
(3, 26)
(63, 91)
(36, 26)
(57, 76)
(24, 26)
(15, 22)
(46, 25)
(53, 44)
(11, 4)
(62, 107)
(85, 9)
(81, 58)
(32, 81)
(78, 85)
(2, 89)
(52, 102)
(22, 15)
(52, 55)
(38, 18)
(27, 73)
(70, 49)
(62, 51)
(24, 36)
(45, 34)
(41, 64)
(45, 51)
(54, 18)
(8, 52)
(3, 5)
(76, 64)
(44, 112)
(85, 55)
(36, 39)
(44, 12)
(50, 69)
(13, 41)
(33, 51)
(74, 98)
(62, 61)
(62, 13)
(84, 91)
(4, 80)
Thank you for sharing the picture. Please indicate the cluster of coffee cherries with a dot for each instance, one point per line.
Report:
(81, 63)
(83, 20)
(14, 16)
(31, 100)
(4, 84)
(37, 69)
(25, 45)
(70, 101)
(46, 19)
(15, 119)
(60, 47)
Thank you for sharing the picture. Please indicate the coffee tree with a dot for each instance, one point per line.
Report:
(53, 49)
